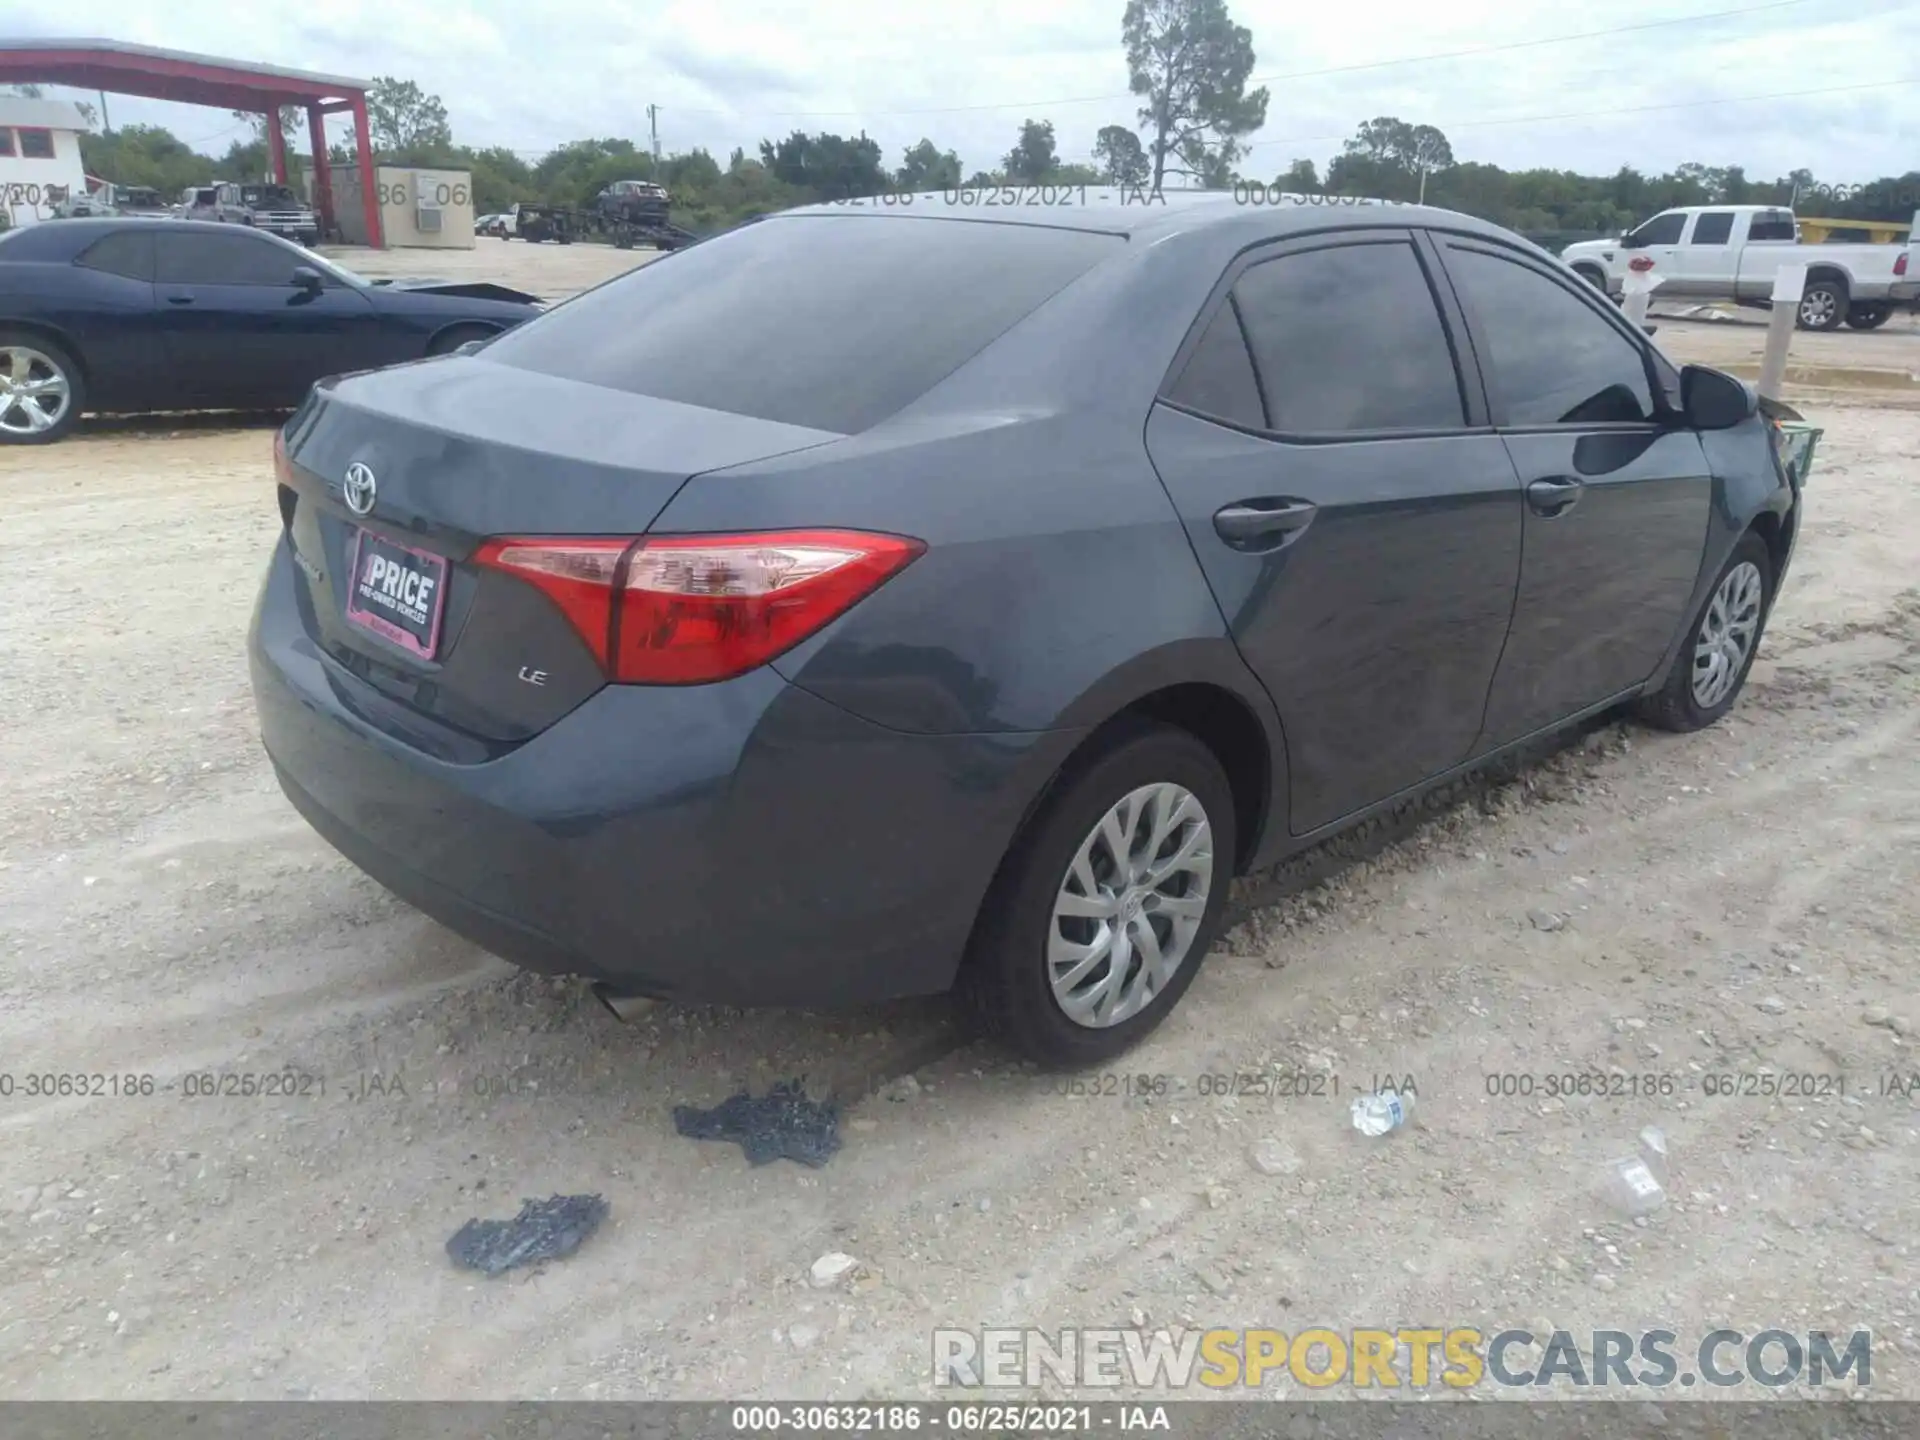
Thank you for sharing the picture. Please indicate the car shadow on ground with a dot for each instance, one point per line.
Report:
(536, 1040)
(167, 425)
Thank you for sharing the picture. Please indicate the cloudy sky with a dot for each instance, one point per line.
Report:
(1832, 85)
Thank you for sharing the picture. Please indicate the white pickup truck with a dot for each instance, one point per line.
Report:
(1730, 252)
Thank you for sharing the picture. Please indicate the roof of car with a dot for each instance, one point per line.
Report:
(1140, 212)
(169, 223)
(62, 240)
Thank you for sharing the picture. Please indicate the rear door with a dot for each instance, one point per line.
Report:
(1616, 488)
(1772, 239)
(241, 331)
(1708, 258)
(1356, 516)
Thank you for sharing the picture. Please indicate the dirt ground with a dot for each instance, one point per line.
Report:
(550, 271)
(1741, 902)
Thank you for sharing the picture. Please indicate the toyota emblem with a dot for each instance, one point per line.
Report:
(359, 488)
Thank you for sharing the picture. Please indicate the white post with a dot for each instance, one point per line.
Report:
(1636, 290)
(1789, 283)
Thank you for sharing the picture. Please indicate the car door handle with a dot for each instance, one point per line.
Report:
(179, 299)
(1555, 496)
(1253, 520)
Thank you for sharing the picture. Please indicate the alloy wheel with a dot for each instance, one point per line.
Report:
(1727, 634)
(1817, 309)
(34, 391)
(1127, 911)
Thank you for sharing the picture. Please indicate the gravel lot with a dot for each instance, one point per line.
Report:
(550, 271)
(1740, 901)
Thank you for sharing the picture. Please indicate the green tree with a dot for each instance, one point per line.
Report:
(149, 155)
(829, 166)
(1299, 178)
(501, 179)
(1428, 152)
(404, 119)
(1033, 157)
(1120, 156)
(246, 159)
(1190, 63)
(927, 167)
(1389, 159)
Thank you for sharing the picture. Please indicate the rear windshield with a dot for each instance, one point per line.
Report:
(831, 322)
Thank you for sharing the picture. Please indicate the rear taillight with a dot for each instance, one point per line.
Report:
(1900, 262)
(689, 609)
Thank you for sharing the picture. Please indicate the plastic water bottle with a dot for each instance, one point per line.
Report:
(1374, 1115)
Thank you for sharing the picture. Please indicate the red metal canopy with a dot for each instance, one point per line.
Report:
(190, 79)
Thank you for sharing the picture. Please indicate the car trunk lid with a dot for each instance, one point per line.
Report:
(391, 483)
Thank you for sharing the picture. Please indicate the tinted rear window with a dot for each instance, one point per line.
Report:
(129, 253)
(1348, 338)
(829, 322)
(1218, 379)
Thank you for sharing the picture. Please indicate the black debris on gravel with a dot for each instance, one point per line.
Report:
(783, 1122)
(543, 1230)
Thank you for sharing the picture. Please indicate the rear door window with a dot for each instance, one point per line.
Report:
(830, 322)
(129, 253)
(1349, 338)
(1218, 379)
(1712, 229)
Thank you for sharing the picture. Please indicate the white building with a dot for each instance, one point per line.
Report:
(39, 157)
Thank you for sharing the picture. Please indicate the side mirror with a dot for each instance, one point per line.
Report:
(1632, 241)
(1714, 400)
(306, 278)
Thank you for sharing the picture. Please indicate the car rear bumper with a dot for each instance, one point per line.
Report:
(740, 843)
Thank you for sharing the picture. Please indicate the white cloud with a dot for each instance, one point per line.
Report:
(966, 72)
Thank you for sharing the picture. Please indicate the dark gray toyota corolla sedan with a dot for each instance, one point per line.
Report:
(872, 602)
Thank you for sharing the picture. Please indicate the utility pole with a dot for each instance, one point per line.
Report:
(106, 120)
(653, 130)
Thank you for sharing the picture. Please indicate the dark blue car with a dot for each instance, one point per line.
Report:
(869, 602)
(122, 315)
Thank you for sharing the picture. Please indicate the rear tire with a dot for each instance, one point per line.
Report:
(1697, 692)
(1865, 316)
(42, 390)
(1060, 901)
(1823, 305)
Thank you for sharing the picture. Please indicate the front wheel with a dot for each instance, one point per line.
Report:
(1711, 668)
(41, 390)
(1107, 902)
